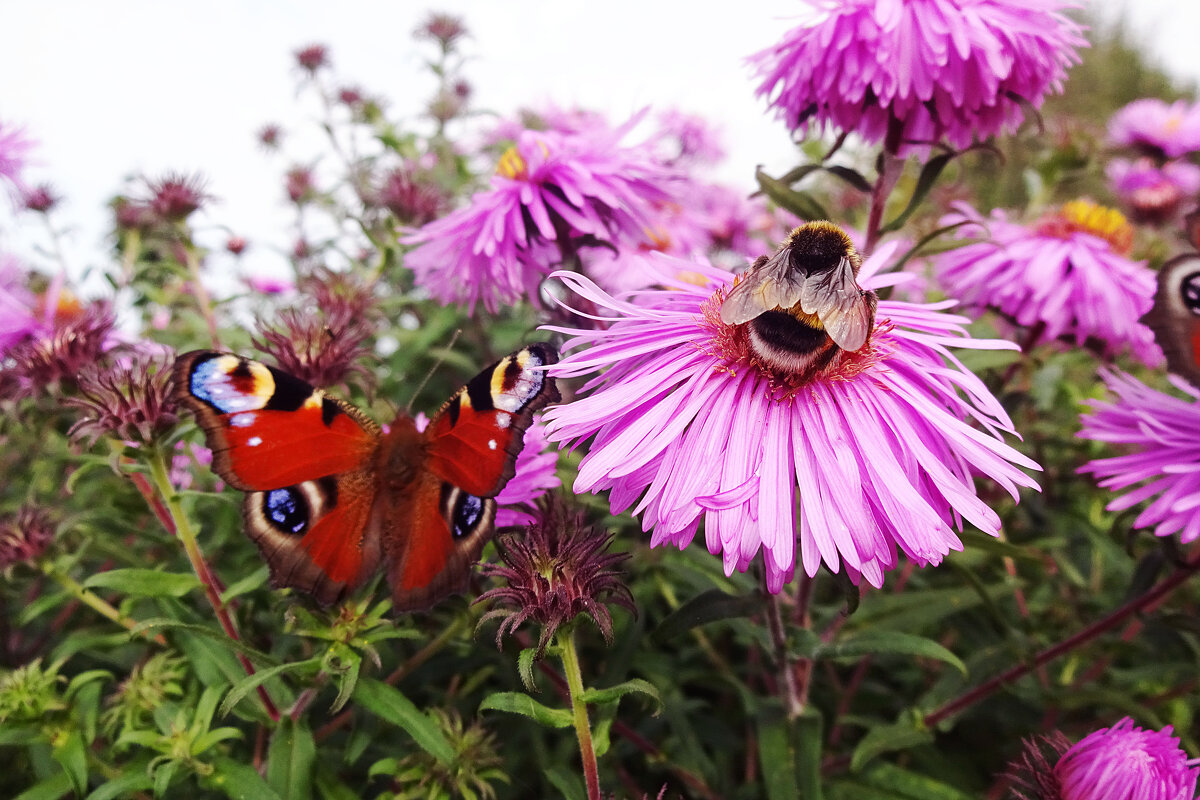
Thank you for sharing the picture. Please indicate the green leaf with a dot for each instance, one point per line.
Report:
(877, 642)
(523, 704)
(777, 759)
(925, 181)
(850, 176)
(390, 705)
(801, 204)
(161, 623)
(291, 759)
(978, 540)
(72, 755)
(568, 783)
(127, 785)
(240, 781)
(52, 788)
(613, 694)
(525, 668)
(251, 682)
(911, 785)
(710, 606)
(249, 583)
(21, 735)
(144, 582)
(899, 735)
(346, 680)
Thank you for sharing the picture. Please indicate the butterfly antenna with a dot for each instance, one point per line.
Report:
(441, 360)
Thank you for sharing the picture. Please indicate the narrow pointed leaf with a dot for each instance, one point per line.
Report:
(390, 705)
(526, 706)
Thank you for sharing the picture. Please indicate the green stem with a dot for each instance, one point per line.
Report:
(202, 298)
(187, 536)
(583, 730)
(96, 603)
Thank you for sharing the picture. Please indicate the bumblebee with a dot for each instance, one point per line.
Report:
(802, 307)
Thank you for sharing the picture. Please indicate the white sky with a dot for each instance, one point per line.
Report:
(138, 87)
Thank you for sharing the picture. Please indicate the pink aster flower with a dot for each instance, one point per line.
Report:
(14, 149)
(1069, 274)
(688, 139)
(1162, 129)
(536, 474)
(1162, 433)
(1125, 762)
(687, 428)
(918, 70)
(551, 195)
(18, 315)
(1156, 194)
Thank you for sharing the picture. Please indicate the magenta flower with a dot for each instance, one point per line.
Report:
(1069, 275)
(1162, 433)
(1154, 193)
(1161, 129)
(688, 139)
(1125, 762)
(687, 428)
(18, 315)
(929, 70)
(551, 195)
(536, 474)
(14, 149)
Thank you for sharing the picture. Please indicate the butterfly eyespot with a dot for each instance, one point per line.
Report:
(467, 514)
(1189, 290)
(463, 511)
(287, 509)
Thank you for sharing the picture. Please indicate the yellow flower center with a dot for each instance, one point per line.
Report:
(1084, 216)
(511, 165)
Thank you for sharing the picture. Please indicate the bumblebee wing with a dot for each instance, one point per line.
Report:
(769, 283)
(846, 311)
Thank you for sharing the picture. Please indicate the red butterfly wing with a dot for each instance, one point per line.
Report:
(307, 461)
(475, 438)
(268, 429)
(433, 534)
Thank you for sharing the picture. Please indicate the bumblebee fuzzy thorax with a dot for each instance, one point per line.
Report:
(819, 247)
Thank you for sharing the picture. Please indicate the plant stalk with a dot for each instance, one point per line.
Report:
(183, 531)
(583, 730)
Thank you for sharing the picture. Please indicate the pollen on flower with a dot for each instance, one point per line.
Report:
(731, 344)
(511, 165)
(1084, 216)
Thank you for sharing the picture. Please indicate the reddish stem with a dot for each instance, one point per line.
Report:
(1111, 620)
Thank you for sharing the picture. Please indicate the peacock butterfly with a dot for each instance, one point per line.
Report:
(330, 496)
(1175, 316)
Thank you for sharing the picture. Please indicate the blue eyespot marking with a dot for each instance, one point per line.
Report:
(288, 509)
(467, 514)
(213, 381)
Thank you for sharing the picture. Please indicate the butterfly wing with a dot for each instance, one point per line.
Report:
(305, 459)
(1175, 316)
(433, 536)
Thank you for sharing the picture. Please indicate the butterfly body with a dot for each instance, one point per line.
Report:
(802, 306)
(331, 497)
